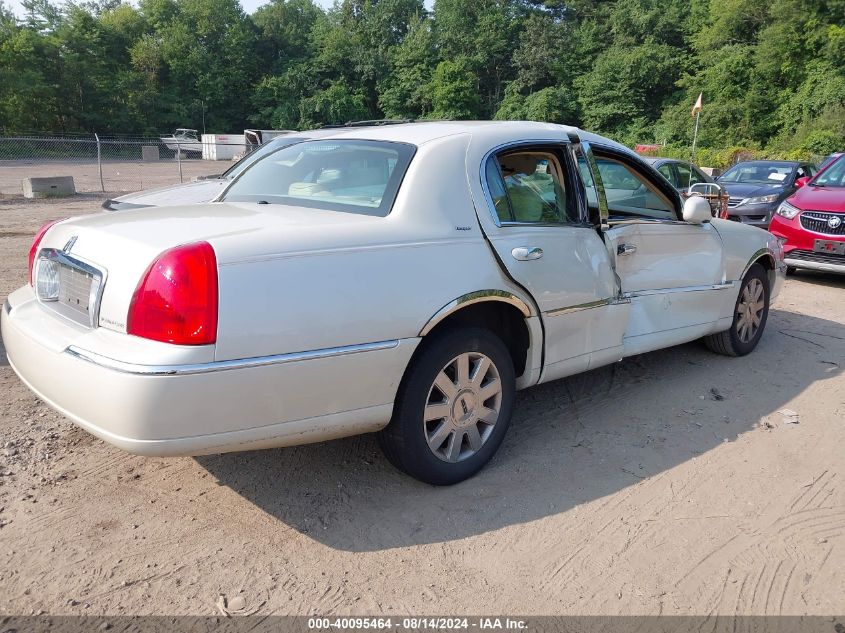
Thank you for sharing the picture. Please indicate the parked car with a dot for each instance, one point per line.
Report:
(829, 159)
(208, 188)
(812, 222)
(688, 179)
(757, 187)
(403, 279)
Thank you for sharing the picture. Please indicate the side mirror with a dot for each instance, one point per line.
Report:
(697, 210)
(802, 181)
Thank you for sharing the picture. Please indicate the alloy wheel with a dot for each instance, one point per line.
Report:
(462, 407)
(749, 310)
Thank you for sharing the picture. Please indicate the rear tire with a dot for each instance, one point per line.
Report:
(750, 313)
(453, 407)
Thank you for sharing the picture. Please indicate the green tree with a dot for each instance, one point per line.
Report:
(453, 90)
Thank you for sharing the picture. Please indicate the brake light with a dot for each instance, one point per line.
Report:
(176, 301)
(36, 242)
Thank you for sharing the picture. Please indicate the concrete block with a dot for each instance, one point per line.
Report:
(55, 187)
(149, 153)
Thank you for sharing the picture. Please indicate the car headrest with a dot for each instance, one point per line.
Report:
(519, 164)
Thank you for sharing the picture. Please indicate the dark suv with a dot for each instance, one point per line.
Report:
(757, 187)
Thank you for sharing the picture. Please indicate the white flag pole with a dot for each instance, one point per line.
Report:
(694, 139)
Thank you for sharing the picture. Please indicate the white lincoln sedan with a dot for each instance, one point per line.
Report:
(402, 279)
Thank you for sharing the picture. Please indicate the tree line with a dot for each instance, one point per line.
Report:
(772, 71)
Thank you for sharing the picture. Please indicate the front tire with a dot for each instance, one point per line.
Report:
(453, 407)
(750, 314)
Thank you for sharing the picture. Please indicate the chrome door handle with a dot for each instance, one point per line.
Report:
(625, 249)
(527, 253)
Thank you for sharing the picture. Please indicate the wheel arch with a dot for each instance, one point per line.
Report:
(766, 259)
(502, 312)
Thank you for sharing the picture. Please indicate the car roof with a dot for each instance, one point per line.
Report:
(654, 160)
(422, 132)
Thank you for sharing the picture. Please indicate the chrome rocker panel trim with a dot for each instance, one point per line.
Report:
(664, 291)
(587, 306)
(225, 365)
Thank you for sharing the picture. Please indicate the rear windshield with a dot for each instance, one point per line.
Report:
(341, 175)
(258, 153)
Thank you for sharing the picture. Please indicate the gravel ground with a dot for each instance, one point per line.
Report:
(118, 176)
(676, 482)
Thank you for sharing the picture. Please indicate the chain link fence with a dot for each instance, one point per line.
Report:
(111, 164)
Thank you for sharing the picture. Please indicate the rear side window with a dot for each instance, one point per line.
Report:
(343, 175)
(529, 186)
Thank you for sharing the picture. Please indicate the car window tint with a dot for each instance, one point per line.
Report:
(340, 175)
(666, 171)
(629, 193)
(535, 188)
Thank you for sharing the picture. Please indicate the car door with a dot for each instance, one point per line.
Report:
(534, 218)
(671, 270)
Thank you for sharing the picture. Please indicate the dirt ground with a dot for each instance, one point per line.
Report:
(118, 176)
(676, 482)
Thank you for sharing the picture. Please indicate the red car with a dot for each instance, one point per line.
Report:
(812, 222)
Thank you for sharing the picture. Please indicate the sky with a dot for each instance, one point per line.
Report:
(248, 5)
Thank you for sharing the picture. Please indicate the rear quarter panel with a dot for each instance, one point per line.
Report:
(383, 282)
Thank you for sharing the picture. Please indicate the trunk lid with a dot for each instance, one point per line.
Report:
(123, 245)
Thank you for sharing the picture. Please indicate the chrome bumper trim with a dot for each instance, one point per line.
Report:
(224, 365)
(820, 266)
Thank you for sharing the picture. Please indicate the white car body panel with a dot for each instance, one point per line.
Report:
(320, 311)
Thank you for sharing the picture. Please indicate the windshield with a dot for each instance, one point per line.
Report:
(758, 173)
(833, 176)
(348, 175)
(259, 153)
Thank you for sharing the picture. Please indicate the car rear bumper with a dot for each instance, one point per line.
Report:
(203, 408)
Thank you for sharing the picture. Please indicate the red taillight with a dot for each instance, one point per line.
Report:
(36, 242)
(176, 301)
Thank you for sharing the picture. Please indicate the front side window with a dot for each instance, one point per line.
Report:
(666, 171)
(804, 171)
(529, 186)
(339, 175)
(630, 193)
(687, 177)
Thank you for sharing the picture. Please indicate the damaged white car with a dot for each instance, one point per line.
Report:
(404, 280)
